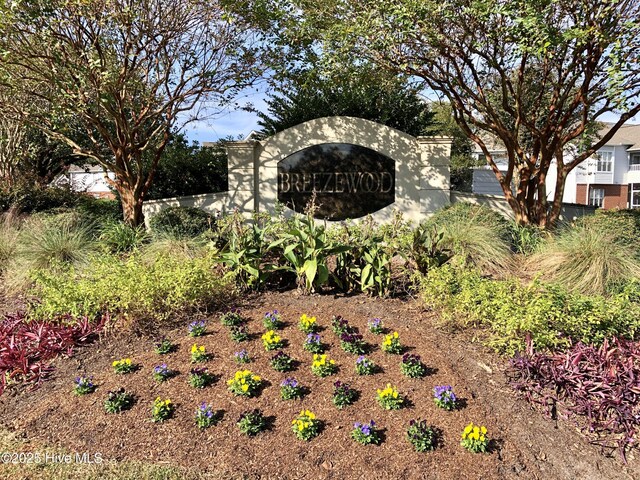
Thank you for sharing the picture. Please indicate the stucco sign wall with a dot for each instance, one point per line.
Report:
(349, 168)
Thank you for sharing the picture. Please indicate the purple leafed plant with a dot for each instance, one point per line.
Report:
(598, 386)
(27, 348)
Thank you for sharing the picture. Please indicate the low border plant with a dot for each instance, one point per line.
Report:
(412, 367)
(199, 354)
(391, 344)
(375, 326)
(242, 356)
(290, 389)
(272, 320)
(308, 324)
(161, 410)
(306, 426)
(365, 366)
(343, 394)
(475, 438)
(321, 367)
(389, 398)
(238, 333)
(124, 366)
(163, 346)
(272, 341)
(161, 373)
(83, 385)
(118, 401)
(313, 343)
(353, 343)
(252, 422)
(244, 383)
(340, 325)
(444, 397)
(200, 377)
(197, 328)
(282, 362)
(366, 433)
(231, 318)
(421, 436)
(205, 416)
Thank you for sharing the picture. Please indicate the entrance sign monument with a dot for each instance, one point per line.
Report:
(348, 167)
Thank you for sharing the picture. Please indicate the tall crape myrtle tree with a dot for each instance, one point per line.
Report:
(536, 75)
(127, 71)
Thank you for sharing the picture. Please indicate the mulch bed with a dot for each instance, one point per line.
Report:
(526, 445)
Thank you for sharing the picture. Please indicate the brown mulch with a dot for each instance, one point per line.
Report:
(526, 445)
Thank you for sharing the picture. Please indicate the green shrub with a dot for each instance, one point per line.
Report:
(526, 239)
(31, 199)
(622, 225)
(587, 259)
(472, 235)
(131, 288)
(47, 241)
(118, 237)
(100, 211)
(182, 222)
(9, 232)
(509, 310)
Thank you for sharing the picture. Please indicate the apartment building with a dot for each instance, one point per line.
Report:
(610, 179)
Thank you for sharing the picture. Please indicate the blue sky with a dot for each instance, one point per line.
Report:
(241, 123)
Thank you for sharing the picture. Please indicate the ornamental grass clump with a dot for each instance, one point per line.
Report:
(161, 373)
(83, 385)
(244, 383)
(272, 320)
(239, 333)
(389, 398)
(313, 343)
(343, 394)
(161, 410)
(306, 426)
(444, 397)
(412, 367)
(118, 401)
(272, 341)
(252, 422)
(475, 439)
(205, 416)
(391, 344)
(421, 436)
(199, 354)
(364, 366)
(124, 366)
(197, 328)
(163, 346)
(281, 362)
(339, 325)
(366, 433)
(322, 367)
(231, 318)
(375, 326)
(308, 324)
(200, 377)
(353, 343)
(242, 356)
(290, 389)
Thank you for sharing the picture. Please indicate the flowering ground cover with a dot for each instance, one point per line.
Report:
(200, 431)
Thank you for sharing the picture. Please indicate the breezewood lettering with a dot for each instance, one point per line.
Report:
(335, 182)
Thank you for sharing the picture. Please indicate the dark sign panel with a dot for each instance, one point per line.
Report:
(344, 180)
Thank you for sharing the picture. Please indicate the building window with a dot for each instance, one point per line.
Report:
(596, 197)
(634, 161)
(634, 195)
(604, 162)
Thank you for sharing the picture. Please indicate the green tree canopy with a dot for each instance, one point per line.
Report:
(534, 75)
(128, 72)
